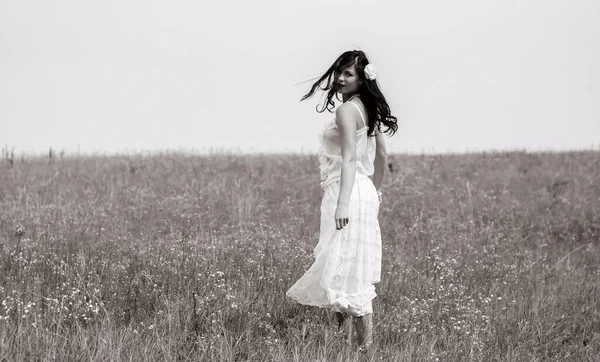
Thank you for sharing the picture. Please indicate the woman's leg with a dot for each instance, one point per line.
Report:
(340, 317)
(364, 329)
(344, 322)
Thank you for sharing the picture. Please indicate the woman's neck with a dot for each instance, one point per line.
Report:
(345, 97)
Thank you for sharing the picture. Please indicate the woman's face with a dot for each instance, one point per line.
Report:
(347, 80)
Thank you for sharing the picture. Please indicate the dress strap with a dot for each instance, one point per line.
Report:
(359, 111)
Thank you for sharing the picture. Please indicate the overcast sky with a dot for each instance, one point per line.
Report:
(131, 75)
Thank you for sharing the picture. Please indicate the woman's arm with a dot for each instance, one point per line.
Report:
(347, 127)
(380, 159)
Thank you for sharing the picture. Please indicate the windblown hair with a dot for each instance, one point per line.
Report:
(376, 106)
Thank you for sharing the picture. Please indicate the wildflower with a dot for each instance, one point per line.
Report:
(19, 231)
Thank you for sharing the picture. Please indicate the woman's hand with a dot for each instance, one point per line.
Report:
(341, 216)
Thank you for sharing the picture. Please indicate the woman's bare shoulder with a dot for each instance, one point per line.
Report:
(347, 114)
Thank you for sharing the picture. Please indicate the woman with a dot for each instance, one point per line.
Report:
(352, 163)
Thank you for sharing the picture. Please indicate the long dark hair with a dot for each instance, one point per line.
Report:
(375, 104)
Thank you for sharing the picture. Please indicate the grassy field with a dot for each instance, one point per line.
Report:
(487, 257)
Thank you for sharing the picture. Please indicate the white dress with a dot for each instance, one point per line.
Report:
(347, 262)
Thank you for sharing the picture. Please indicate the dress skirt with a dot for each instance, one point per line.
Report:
(347, 262)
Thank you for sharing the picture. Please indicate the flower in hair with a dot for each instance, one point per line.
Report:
(370, 72)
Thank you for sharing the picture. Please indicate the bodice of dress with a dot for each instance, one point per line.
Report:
(330, 153)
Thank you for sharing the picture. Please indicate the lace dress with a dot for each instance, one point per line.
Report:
(348, 261)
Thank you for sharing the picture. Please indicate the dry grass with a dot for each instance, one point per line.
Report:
(491, 257)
